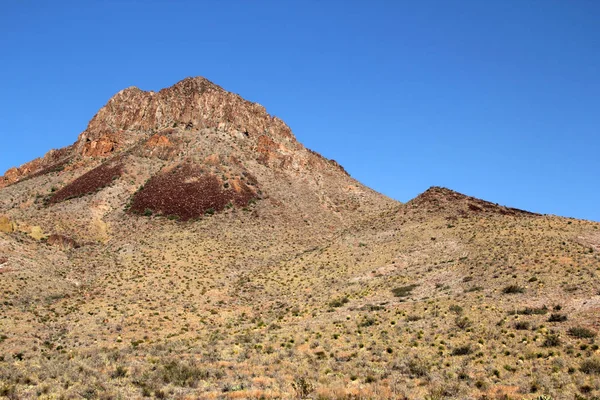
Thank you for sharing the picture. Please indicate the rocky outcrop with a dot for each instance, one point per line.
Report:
(53, 161)
(101, 147)
(62, 241)
(192, 103)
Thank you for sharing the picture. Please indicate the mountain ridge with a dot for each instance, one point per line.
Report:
(186, 245)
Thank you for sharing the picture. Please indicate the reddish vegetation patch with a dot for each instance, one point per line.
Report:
(442, 199)
(90, 182)
(62, 241)
(188, 192)
(51, 168)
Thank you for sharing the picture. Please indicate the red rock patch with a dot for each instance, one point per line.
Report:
(158, 141)
(101, 147)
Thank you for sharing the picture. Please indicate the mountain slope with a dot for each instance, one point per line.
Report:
(187, 246)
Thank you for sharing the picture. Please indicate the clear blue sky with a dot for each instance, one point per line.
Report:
(498, 99)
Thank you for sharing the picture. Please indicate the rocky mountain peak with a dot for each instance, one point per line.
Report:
(192, 104)
(191, 149)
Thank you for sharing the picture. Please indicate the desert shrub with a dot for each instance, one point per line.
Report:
(182, 374)
(404, 291)
(367, 321)
(463, 322)
(338, 302)
(119, 372)
(522, 325)
(513, 289)
(581, 332)
(532, 311)
(555, 317)
(590, 366)
(462, 350)
(456, 309)
(552, 340)
(303, 387)
(417, 367)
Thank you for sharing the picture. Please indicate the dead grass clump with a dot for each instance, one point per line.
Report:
(90, 182)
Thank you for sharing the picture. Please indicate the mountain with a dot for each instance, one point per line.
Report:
(188, 246)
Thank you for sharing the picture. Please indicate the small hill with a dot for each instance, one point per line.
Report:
(453, 204)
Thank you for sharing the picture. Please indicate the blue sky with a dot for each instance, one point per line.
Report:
(495, 99)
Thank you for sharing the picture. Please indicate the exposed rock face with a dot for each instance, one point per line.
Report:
(158, 141)
(193, 103)
(133, 115)
(101, 147)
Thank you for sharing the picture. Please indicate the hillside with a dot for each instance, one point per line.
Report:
(188, 246)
